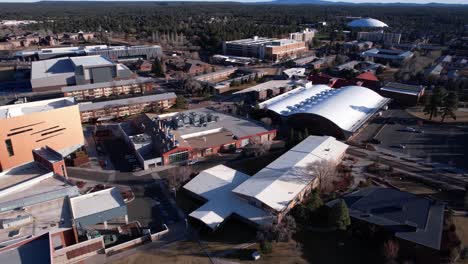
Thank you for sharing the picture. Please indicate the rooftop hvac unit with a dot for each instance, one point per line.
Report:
(16, 222)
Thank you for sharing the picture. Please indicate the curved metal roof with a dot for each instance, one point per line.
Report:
(348, 107)
(367, 23)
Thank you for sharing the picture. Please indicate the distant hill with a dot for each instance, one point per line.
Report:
(325, 2)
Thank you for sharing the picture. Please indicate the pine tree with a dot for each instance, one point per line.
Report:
(339, 215)
(434, 102)
(157, 68)
(449, 106)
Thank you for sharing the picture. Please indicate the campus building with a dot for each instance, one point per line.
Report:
(190, 135)
(325, 110)
(384, 56)
(307, 35)
(269, 194)
(86, 92)
(24, 127)
(125, 107)
(403, 93)
(387, 38)
(264, 48)
(408, 217)
(53, 74)
(111, 52)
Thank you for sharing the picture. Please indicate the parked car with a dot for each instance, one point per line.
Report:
(192, 162)
(410, 129)
(256, 255)
(375, 141)
(402, 146)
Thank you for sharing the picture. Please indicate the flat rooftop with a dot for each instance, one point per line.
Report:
(93, 203)
(252, 41)
(412, 218)
(267, 85)
(35, 251)
(127, 101)
(44, 187)
(281, 181)
(91, 61)
(9, 111)
(414, 90)
(21, 174)
(48, 216)
(51, 67)
(218, 132)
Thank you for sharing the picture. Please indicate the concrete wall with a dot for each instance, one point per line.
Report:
(59, 129)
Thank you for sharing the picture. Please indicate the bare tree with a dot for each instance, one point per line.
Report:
(390, 249)
(326, 173)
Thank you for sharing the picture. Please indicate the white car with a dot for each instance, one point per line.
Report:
(402, 146)
(256, 255)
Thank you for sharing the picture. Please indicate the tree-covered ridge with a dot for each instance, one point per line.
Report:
(207, 24)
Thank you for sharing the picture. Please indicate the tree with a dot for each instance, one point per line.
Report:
(390, 249)
(339, 215)
(180, 103)
(191, 86)
(449, 106)
(266, 247)
(157, 68)
(314, 201)
(325, 172)
(434, 102)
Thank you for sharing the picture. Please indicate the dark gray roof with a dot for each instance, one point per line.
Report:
(138, 80)
(412, 218)
(36, 251)
(126, 101)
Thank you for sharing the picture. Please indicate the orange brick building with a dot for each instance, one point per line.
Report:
(24, 127)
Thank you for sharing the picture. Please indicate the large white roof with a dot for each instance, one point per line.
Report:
(9, 111)
(96, 202)
(216, 185)
(347, 107)
(281, 181)
(367, 23)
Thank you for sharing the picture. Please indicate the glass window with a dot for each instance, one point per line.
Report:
(9, 147)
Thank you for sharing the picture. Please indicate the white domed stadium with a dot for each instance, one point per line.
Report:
(367, 23)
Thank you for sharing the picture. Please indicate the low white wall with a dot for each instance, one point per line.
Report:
(157, 236)
(127, 244)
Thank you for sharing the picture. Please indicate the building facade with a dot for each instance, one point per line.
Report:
(264, 48)
(387, 38)
(24, 127)
(307, 35)
(86, 92)
(126, 107)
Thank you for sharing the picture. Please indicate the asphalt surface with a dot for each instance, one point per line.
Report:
(439, 143)
(152, 205)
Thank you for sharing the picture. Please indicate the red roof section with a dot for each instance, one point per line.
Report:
(368, 76)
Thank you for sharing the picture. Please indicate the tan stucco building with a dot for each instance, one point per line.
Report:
(24, 127)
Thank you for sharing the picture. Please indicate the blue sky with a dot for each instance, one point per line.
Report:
(352, 1)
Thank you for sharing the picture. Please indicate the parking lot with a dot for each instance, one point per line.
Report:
(401, 132)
